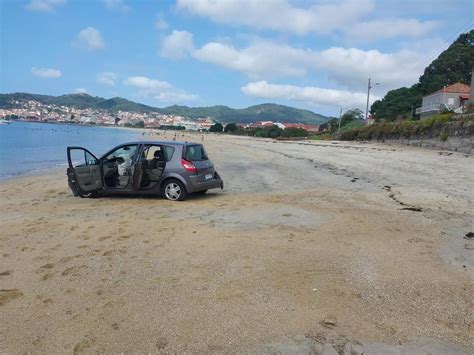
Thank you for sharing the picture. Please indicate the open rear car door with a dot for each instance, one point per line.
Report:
(83, 173)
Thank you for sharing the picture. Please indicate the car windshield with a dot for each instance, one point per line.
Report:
(195, 153)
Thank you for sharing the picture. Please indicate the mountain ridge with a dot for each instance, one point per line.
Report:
(220, 113)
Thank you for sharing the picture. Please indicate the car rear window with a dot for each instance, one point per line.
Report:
(195, 153)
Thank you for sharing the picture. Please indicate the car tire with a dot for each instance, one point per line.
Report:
(174, 190)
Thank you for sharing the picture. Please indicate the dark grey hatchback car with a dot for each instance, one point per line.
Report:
(171, 169)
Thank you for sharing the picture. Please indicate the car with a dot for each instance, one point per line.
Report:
(171, 169)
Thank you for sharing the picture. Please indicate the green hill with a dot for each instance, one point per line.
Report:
(263, 112)
(453, 65)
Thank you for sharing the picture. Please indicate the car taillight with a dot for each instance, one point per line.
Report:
(188, 166)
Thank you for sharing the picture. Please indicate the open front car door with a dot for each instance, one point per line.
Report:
(84, 173)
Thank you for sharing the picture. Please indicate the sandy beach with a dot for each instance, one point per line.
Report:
(311, 247)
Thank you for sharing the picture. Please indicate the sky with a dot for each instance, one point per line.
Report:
(316, 55)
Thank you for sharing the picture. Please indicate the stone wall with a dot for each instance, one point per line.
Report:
(455, 136)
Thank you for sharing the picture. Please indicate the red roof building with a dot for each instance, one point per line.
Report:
(450, 98)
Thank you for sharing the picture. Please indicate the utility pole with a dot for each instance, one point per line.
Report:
(470, 104)
(368, 95)
(340, 119)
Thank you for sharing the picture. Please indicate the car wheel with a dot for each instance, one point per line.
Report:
(174, 190)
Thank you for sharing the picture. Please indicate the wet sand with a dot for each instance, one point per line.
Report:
(309, 248)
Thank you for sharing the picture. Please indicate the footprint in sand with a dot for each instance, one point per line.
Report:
(73, 271)
(84, 345)
(116, 252)
(9, 295)
(124, 237)
(44, 268)
(47, 276)
(6, 273)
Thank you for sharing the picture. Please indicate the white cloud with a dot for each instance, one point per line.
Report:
(107, 78)
(348, 67)
(177, 45)
(280, 15)
(348, 17)
(391, 28)
(144, 83)
(175, 97)
(116, 5)
(259, 60)
(311, 95)
(161, 24)
(89, 38)
(46, 73)
(44, 5)
(80, 91)
(159, 90)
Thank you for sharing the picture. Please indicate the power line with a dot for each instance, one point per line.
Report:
(429, 58)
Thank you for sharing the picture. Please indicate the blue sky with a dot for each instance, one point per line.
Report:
(310, 54)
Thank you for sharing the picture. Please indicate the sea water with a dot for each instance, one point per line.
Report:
(30, 147)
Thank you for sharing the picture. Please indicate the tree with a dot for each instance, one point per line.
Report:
(274, 131)
(294, 132)
(399, 103)
(231, 128)
(351, 115)
(330, 126)
(451, 66)
(216, 127)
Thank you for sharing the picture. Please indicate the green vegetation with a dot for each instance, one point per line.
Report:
(216, 127)
(230, 128)
(435, 126)
(263, 112)
(330, 126)
(350, 119)
(172, 128)
(352, 125)
(266, 132)
(453, 65)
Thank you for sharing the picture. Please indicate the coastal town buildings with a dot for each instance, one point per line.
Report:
(31, 110)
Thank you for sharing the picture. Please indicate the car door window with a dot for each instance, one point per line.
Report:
(90, 159)
(152, 151)
(82, 158)
(168, 152)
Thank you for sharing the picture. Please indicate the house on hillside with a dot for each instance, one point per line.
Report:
(450, 98)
